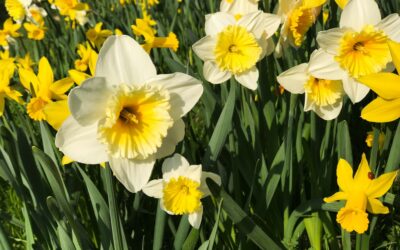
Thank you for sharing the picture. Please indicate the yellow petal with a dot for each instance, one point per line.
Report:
(375, 206)
(77, 76)
(395, 51)
(62, 86)
(66, 160)
(361, 178)
(313, 3)
(27, 77)
(386, 85)
(14, 95)
(381, 185)
(342, 3)
(92, 62)
(353, 220)
(336, 197)
(381, 110)
(344, 174)
(56, 113)
(2, 102)
(45, 74)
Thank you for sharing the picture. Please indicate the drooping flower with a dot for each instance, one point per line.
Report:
(323, 90)
(386, 107)
(181, 188)
(127, 114)
(97, 35)
(360, 45)
(143, 28)
(49, 102)
(232, 48)
(239, 8)
(361, 194)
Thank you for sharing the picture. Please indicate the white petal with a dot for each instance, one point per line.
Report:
(355, 90)
(241, 7)
(249, 78)
(184, 90)
(174, 135)
(294, 78)
(256, 23)
(204, 48)
(213, 74)
(88, 101)
(216, 22)
(80, 142)
(271, 23)
(203, 186)
(123, 60)
(359, 13)
(174, 162)
(308, 103)
(195, 218)
(329, 40)
(178, 166)
(133, 174)
(154, 188)
(390, 25)
(270, 47)
(329, 112)
(323, 65)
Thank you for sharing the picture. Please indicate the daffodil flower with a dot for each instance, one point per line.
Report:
(97, 35)
(77, 76)
(232, 48)
(9, 31)
(84, 53)
(35, 32)
(386, 107)
(48, 101)
(7, 92)
(361, 194)
(25, 62)
(127, 115)
(239, 8)
(19, 9)
(7, 64)
(181, 188)
(323, 89)
(74, 10)
(360, 45)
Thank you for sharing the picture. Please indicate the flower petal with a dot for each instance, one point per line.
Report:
(174, 135)
(375, 206)
(359, 13)
(344, 174)
(45, 74)
(323, 65)
(381, 110)
(361, 178)
(271, 23)
(204, 48)
(213, 74)
(172, 163)
(178, 166)
(390, 25)
(133, 174)
(154, 188)
(395, 51)
(329, 40)
(80, 142)
(185, 91)
(88, 101)
(329, 112)
(336, 197)
(216, 22)
(239, 7)
(195, 218)
(294, 78)
(56, 113)
(355, 90)
(123, 60)
(249, 78)
(203, 185)
(381, 185)
(386, 85)
(259, 23)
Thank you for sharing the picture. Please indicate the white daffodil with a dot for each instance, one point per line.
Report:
(297, 18)
(239, 8)
(181, 188)
(360, 45)
(233, 47)
(321, 85)
(127, 114)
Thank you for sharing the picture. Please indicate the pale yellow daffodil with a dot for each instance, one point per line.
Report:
(386, 107)
(48, 101)
(361, 194)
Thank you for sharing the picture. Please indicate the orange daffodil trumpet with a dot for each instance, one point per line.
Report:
(127, 114)
(232, 48)
(361, 194)
(323, 89)
(386, 107)
(181, 188)
(360, 45)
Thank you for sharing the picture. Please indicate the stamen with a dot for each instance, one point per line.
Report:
(128, 116)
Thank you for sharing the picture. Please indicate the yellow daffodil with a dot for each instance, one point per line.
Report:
(323, 90)
(361, 194)
(25, 62)
(74, 10)
(78, 77)
(142, 28)
(127, 114)
(17, 9)
(48, 101)
(84, 53)
(97, 36)
(386, 107)
(233, 47)
(370, 139)
(9, 31)
(7, 63)
(181, 189)
(37, 14)
(7, 92)
(297, 17)
(35, 32)
(360, 45)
